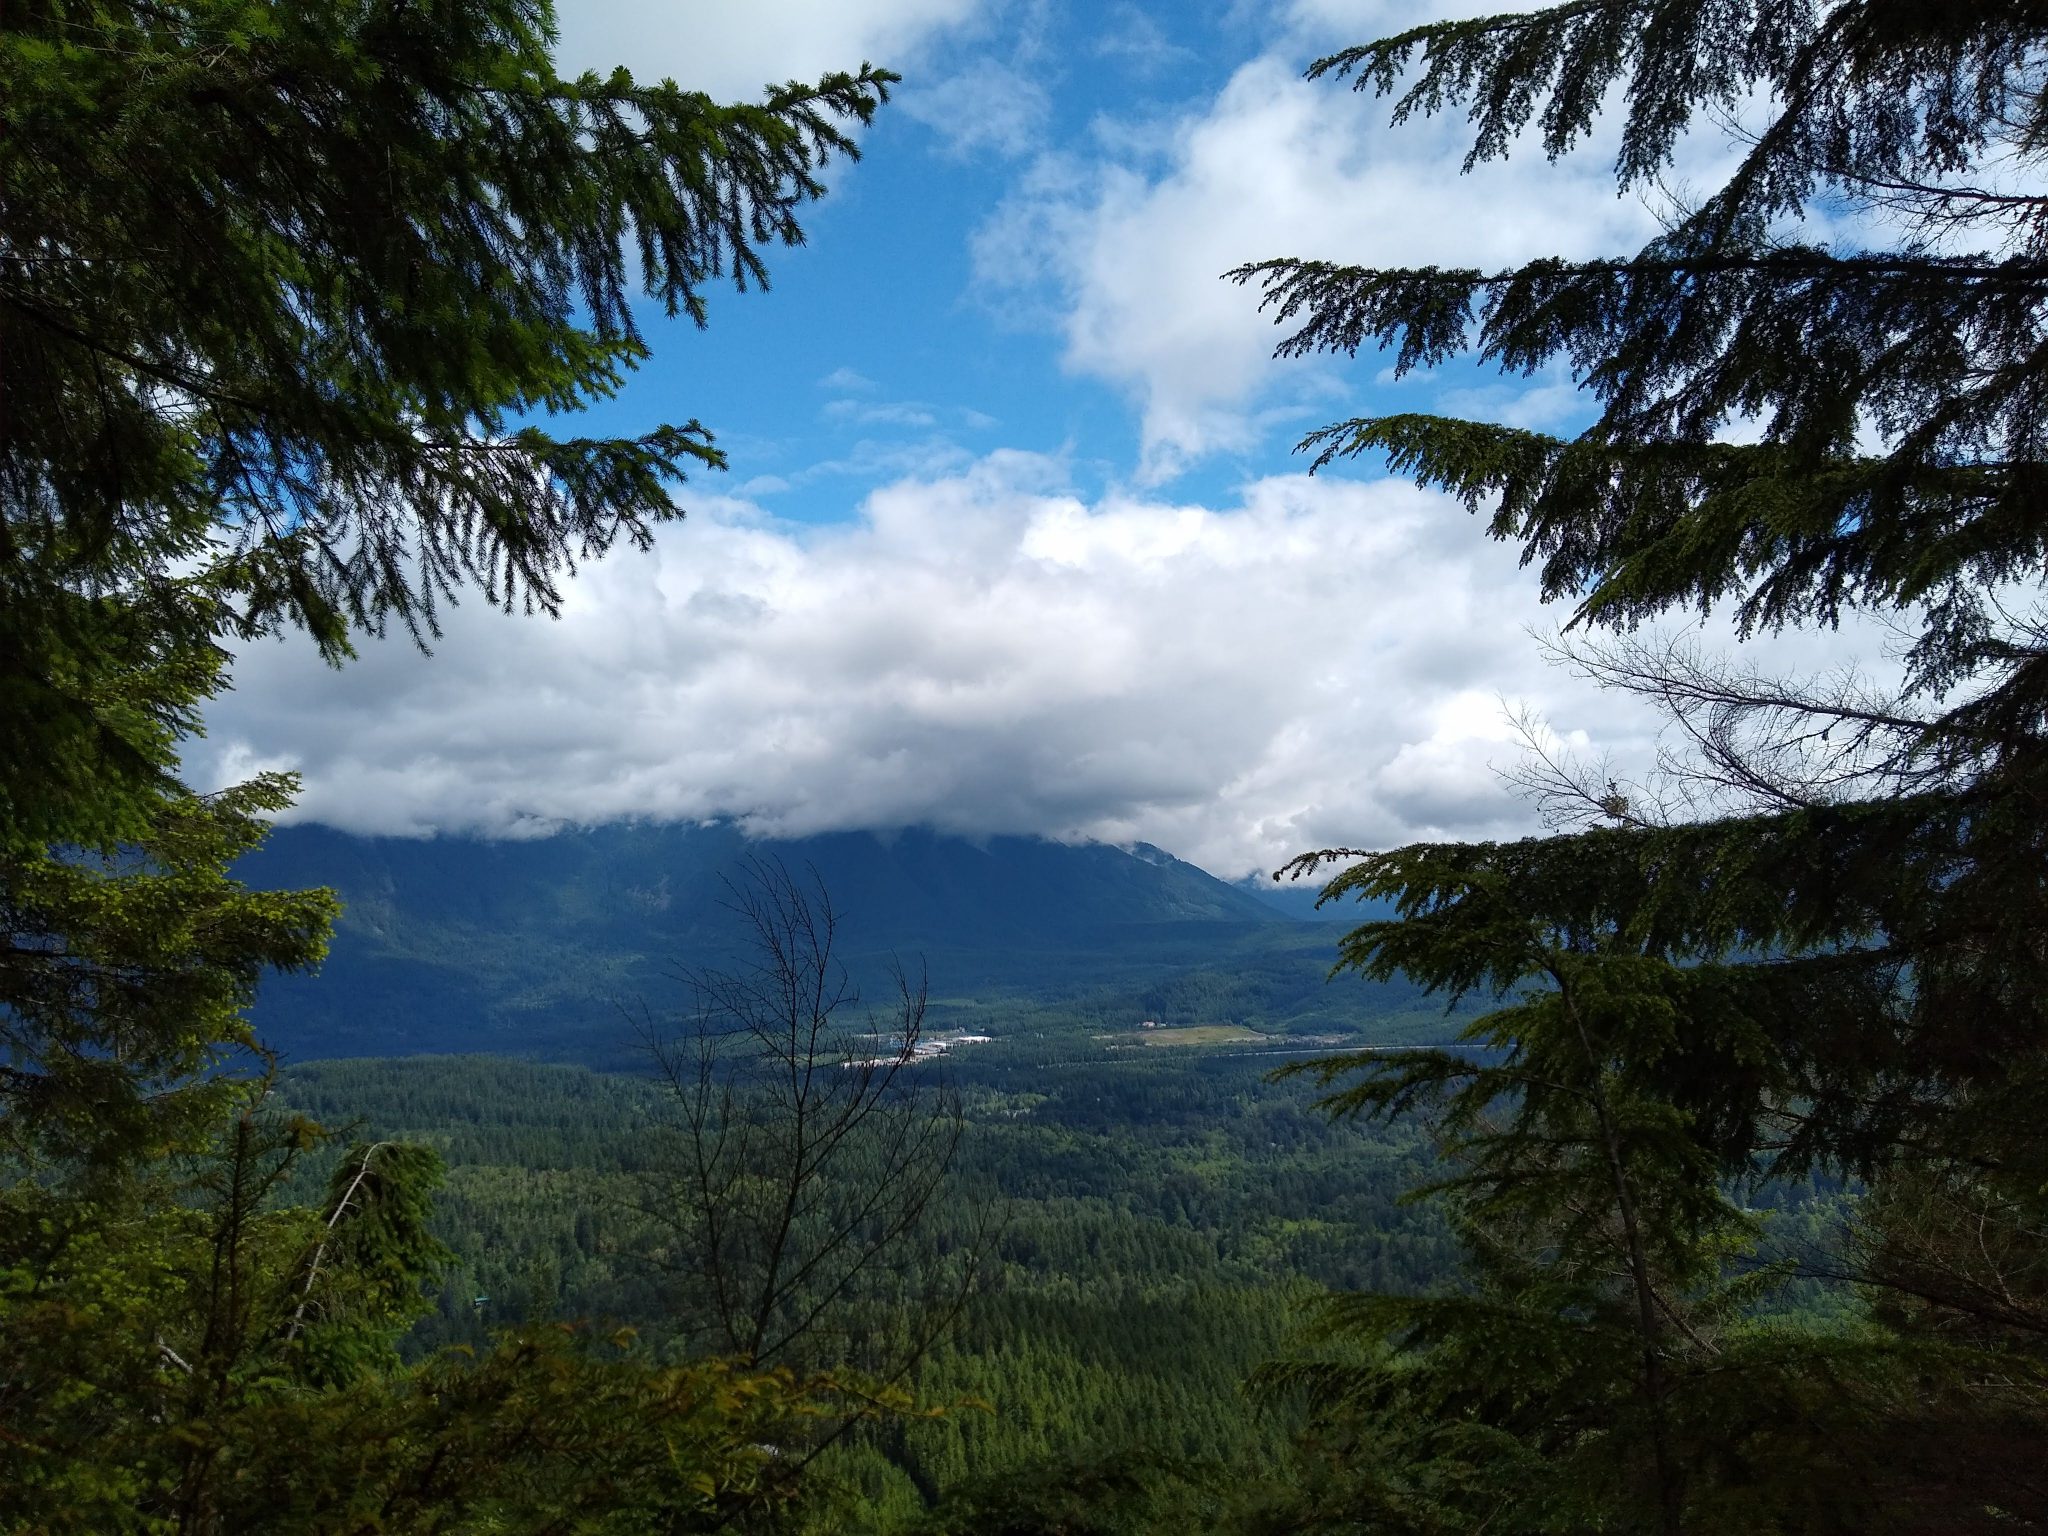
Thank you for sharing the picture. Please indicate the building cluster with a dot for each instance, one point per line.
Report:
(923, 1050)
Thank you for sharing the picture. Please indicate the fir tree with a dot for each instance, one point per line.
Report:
(198, 1356)
(291, 288)
(290, 300)
(1830, 959)
(293, 300)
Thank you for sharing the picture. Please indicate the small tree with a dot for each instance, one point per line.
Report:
(809, 1144)
(210, 1360)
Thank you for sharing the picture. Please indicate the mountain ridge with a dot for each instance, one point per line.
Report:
(542, 946)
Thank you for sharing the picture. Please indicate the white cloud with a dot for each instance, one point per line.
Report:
(1136, 40)
(983, 652)
(732, 51)
(981, 649)
(914, 414)
(984, 105)
(873, 459)
(844, 380)
(885, 413)
(1336, 23)
(1123, 254)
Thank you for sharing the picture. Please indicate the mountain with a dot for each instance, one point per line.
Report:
(545, 946)
(1297, 899)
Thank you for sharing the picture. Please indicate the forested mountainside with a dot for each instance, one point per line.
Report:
(544, 946)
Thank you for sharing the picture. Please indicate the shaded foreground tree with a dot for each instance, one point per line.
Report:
(293, 302)
(211, 1360)
(809, 1140)
(1827, 956)
(124, 976)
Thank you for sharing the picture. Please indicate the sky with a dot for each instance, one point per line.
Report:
(1013, 538)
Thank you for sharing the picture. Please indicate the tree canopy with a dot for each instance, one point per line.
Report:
(297, 290)
(1818, 392)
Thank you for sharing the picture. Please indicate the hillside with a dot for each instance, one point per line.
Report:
(536, 946)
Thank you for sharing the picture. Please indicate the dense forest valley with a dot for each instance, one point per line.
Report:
(1163, 1224)
(1165, 1214)
(1169, 1220)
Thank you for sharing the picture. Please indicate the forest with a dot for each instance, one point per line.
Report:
(1164, 1223)
(1167, 1225)
(1696, 1182)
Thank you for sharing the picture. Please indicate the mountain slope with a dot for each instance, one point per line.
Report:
(542, 947)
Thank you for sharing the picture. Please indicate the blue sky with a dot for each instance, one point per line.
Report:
(935, 316)
(1013, 539)
(902, 336)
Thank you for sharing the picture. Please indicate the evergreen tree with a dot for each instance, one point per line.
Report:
(199, 1357)
(292, 299)
(1831, 960)
(287, 286)
(285, 292)
(125, 976)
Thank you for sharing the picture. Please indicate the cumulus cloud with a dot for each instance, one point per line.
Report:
(732, 51)
(983, 652)
(982, 649)
(1121, 251)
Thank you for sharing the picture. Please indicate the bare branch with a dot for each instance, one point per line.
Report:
(810, 1137)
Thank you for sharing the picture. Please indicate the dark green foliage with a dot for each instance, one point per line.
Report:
(1723, 320)
(1168, 1214)
(141, 1325)
(545, 1432)
(1832, 967)
(375, 1242)
(1820, 1055)
(296, 277)
(291, 299)
(124, 975)
(207, 1358)
(1130, 1497)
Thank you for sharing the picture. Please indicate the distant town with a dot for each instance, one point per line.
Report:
(921, 1050)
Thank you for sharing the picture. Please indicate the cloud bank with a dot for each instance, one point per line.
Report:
(981, 648)
(983, 653)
